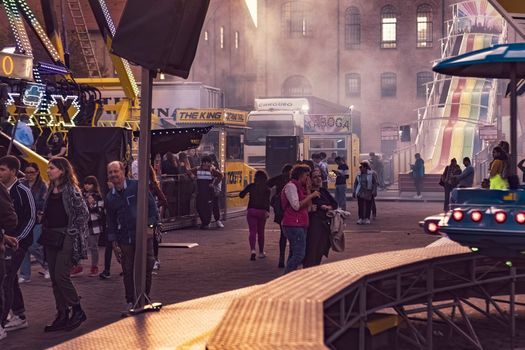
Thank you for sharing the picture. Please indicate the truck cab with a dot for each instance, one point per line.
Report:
(273, 117)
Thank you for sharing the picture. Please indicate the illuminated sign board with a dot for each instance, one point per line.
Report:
(16, 66)
(211, 116)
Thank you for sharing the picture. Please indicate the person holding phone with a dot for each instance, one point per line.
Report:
(295, 201)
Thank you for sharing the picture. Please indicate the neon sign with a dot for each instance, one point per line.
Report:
(16, 66)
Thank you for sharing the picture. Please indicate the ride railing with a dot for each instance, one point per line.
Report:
(403, 158)
(181, 192)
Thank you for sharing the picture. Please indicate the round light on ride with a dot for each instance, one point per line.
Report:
(433, 227)
(500, 217)
(520, 218)
(458, 215)
(476, 216)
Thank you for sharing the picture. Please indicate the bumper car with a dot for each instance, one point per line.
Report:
(491, 222)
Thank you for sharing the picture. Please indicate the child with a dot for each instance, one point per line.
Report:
(95, 205)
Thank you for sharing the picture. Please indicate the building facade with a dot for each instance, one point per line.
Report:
(374, 55)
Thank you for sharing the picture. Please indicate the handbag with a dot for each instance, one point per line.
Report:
(52, 237)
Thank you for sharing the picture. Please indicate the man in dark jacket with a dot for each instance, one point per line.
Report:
(8, 222)
(279, 182)
(25, 208)
(121, 218)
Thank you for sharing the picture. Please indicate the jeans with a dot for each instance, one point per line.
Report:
(297, 238)
(340, 196)
(128, 261)
(108, 253)
(364, 208)
(216, 207)
(256, 224)
(93, 249)
(37, 251)
(60, 263)
(204, 208)
(13, 299)
(418, 182)
(282, 247)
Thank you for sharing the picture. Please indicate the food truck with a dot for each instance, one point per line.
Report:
(332, 134)
(224, 144)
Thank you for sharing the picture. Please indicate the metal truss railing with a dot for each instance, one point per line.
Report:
(439, 284)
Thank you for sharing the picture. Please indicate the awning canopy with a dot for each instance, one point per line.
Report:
(493, 62)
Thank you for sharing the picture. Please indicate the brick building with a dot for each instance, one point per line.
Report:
(372, 54)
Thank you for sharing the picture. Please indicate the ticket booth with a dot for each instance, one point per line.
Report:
(225, 145)
(332, 134)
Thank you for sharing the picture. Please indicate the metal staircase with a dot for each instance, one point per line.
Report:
(88, 52)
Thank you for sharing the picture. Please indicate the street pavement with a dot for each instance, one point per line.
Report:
(220, 263)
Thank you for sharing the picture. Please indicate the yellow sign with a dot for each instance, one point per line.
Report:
(212, 116)
(16, 66)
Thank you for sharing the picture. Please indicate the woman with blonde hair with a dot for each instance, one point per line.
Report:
(64, 237)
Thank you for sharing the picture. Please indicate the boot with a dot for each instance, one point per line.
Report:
(60, 323)
(77, 317)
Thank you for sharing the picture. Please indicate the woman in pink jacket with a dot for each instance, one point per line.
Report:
(295, 201)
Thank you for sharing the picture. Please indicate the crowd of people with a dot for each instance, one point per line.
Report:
(303, 208)
(61, 222)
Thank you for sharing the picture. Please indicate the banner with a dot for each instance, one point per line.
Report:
(327, 124)
(212, 116)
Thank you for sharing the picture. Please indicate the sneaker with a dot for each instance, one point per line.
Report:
(129, 307)
(76, 271)
(104, 275)
(360, 221)
(23, 280)
(219, 224)
(94, 271)
(252, 256)
(367, 222)
(3, 333)
(16, 322)
(45, 274)
(156, 266)
(262, 255)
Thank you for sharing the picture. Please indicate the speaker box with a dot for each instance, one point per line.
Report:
(280, 150)
(161, 35)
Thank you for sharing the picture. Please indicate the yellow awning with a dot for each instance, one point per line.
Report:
(513, 11)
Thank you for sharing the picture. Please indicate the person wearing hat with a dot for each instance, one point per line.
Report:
(365, 189)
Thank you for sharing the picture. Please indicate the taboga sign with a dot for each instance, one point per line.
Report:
(16, 66)
(327, 124)
(212, 116)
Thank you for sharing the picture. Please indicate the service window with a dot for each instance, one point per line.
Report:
(234, 146)
(210, 145)
(333, 147)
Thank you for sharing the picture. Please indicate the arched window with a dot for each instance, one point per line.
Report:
(296, 85)
(353, 85)
(352, 28)
(388, 27)
(388, 84)
(423, 78)
(424, 26)
(296, 18)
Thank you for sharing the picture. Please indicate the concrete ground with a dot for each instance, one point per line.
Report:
(220, 263)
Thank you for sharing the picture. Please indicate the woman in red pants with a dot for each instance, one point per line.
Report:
(258, 211)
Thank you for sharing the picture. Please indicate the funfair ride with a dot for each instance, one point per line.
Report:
(457, 108)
